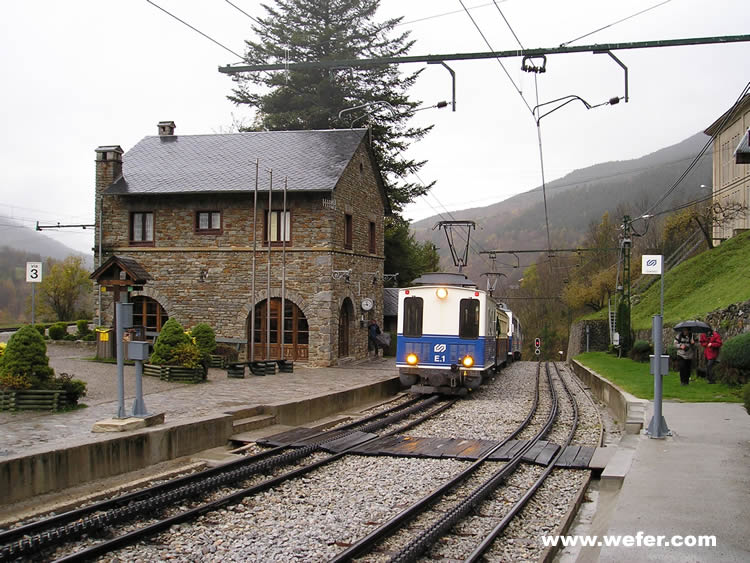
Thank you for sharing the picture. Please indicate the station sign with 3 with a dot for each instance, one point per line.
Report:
(34, 272)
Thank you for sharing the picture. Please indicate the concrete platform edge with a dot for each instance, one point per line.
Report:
(623, 406)
(548, 555)
(56, 469)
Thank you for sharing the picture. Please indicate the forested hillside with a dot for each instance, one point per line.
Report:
(576, 201)
(14, 290)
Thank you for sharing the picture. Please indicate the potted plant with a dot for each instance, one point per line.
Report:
(27, 381)
(175, 356)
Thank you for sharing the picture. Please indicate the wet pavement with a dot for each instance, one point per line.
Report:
(26, 432)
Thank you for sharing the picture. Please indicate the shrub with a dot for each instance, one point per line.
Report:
(26, 355)
(14, 382)
(734, 359)
(83, 328)
(42, 329)
(172, 335)
(70, 337)
(58, 331)
(204, 338)
(90, 337)
(75, 388)
(186, 355)
(3, 345)
(229, 353)
(640, 350)
(175, 348)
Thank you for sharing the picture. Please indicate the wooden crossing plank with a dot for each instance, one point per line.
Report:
(348, 441)
(335, 435)
(567, 457)
(377, 446)
(502, 453)
(547, 454)
(584, 457)
(476, 450)
(287, 437)
(534, 451)
(455, 446)
(517, 447)
(408, 446)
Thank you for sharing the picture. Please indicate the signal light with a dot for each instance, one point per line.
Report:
(537, 342)
(468, 361)
(412, 359)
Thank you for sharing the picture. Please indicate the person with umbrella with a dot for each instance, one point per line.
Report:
(711, 342)
(685, 344)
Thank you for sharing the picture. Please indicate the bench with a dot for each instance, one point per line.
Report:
(285, 366)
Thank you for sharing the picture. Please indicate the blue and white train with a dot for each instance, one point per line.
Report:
(451, 334)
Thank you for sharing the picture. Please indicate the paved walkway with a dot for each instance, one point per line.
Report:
(696, 483)
(23, 433)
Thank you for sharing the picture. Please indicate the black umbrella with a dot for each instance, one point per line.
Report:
(693, 326)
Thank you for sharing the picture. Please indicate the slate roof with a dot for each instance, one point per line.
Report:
(133, 268)
(225, 163)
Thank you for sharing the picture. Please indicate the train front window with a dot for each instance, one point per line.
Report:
(468, 320)
(413, 307)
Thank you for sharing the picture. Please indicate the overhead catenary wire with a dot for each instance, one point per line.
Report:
(695, 160)
(505, 70)
(614, 23)
(236, 7)
(197, 30)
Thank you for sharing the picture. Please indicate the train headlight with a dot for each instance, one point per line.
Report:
(441, 293)
(467, 362)
(412, 359)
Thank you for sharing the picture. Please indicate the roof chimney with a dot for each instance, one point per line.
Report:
(166, 128)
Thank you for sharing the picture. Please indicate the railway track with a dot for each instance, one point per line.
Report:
(490, 480)
(284, 513)
(49, 534)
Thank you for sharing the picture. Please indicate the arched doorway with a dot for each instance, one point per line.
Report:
(149, 313)
(296, 336)
(346, 316)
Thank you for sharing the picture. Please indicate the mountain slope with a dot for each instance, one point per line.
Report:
(578, 199)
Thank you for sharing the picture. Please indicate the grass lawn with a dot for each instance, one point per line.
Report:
(634, 377)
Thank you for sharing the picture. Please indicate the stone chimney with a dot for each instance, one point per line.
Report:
(166, 128)
(108, 165)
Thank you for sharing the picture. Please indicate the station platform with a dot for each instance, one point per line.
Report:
(694, 483)
(42, 452)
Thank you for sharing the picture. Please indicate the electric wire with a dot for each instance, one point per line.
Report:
(197, 30)
(505, 70)
(694, 162)
(243, 11)
(435, 16)
(508, 24)
(615, 23)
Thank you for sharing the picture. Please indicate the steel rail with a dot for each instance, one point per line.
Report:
(131, 537)
(36, 535)
(361, 546)
(518, 506)
(429, 536)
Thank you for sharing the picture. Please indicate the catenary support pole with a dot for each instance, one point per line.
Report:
(284, 227)
(119, 332)
(251, 336)
(268, 270)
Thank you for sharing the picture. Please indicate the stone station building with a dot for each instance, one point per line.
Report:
(209, 218)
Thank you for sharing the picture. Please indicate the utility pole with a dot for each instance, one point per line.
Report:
(625, 323)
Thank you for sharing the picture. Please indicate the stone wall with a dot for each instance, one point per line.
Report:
(208, 277)
(598, 337)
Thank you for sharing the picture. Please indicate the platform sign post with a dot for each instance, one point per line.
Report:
(657, 428)
(33, 276)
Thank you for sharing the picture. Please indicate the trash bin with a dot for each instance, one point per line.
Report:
(105, 339)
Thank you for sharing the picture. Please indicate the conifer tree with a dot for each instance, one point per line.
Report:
(302, 30)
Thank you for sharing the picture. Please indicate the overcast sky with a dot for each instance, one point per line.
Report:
(85, 73)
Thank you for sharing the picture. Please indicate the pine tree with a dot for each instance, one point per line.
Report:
(302, 30)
